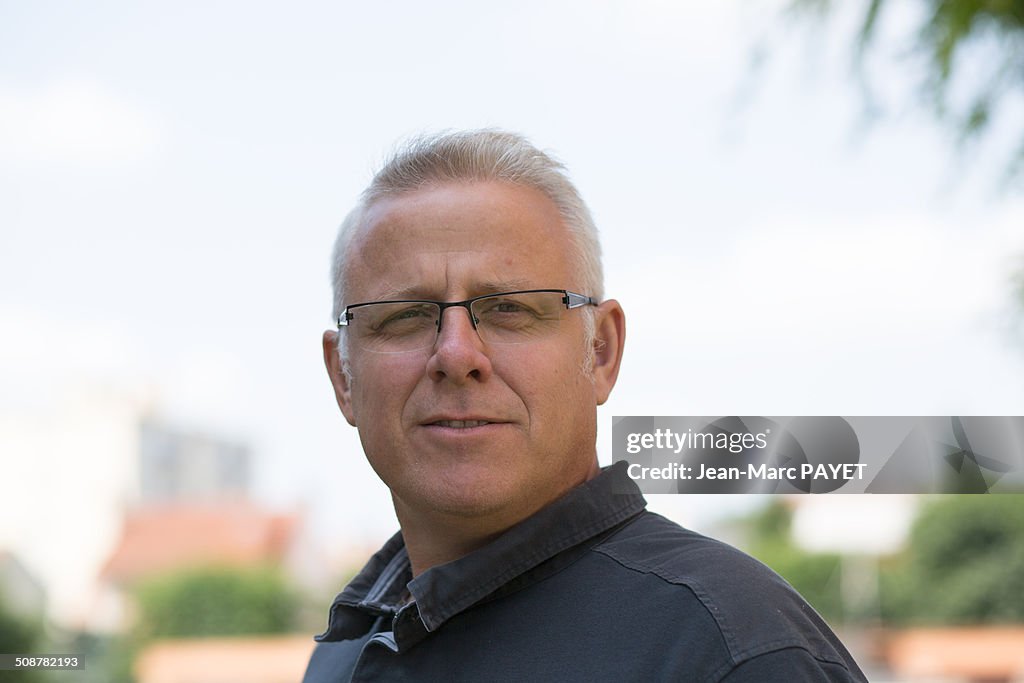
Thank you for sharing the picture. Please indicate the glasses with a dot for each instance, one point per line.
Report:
(412, 325)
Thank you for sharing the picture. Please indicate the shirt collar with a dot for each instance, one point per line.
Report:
(584, 513)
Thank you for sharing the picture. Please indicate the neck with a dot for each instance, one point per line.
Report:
(434, 537)
(440, 539)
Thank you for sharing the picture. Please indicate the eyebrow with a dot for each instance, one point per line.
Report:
(416, 292)
(492, 286)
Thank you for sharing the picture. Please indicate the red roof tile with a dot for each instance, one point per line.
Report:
(157, 539)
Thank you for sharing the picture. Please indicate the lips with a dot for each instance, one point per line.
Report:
(464, 421)
(460, 424)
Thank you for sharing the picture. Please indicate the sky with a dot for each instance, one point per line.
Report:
(172, 177)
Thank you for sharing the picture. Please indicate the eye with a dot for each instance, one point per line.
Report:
(517, 317)
(509, 307)
(407, 314)
(503, 307)
(402, 318)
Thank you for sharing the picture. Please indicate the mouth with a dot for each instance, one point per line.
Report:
(462, 430)
(459, 424)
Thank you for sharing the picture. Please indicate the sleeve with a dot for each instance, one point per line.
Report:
(792, 665)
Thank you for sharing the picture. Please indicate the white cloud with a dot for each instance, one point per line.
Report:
(42, 353)
(886, 315)
(903, 274)
(76, 122)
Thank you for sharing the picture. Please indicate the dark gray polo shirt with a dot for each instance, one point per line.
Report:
(591, 588)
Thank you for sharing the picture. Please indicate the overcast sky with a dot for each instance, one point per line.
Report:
(172, 176)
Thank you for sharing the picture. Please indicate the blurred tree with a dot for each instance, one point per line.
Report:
(203, 601)
(973, 59)
(108, 658)
(19, 635)
(216, 601)
(964, 564)
(814, 575)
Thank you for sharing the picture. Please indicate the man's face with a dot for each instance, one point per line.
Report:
(449, 243)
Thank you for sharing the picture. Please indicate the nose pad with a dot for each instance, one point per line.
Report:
(473, 320)
(461, 355)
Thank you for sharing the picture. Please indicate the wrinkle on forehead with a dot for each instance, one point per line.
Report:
(434, 276)
(495, 216)
(458, 244)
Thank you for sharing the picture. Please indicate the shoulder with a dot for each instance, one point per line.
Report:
(651, 544)
(753, 609)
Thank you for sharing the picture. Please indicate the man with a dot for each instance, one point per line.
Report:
(473, 346)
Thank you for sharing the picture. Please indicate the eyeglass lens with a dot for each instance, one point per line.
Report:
(499, 319)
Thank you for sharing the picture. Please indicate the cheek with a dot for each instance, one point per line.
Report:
(382, 386)
(552, 385)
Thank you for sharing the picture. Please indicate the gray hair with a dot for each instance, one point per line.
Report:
(479, 155)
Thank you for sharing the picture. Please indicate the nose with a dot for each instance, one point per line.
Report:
(459, 355)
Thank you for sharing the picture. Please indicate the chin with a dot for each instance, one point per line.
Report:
(477, 494)
(467, 508)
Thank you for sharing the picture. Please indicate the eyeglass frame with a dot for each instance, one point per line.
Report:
(571, 300)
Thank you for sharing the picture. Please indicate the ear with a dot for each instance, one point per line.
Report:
(335, 370)
(610, 337)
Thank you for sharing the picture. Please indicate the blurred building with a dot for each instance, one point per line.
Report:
(69, 469)
(853, 524)
(992, 654)
(158, 539)
(279, 659)
(179, 465)
(21, 593)
(195, 509)
(162, 538)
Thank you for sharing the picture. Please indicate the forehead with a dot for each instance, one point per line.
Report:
(460, 237)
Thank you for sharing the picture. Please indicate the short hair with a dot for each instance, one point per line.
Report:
(476, 155)
(479, 155)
